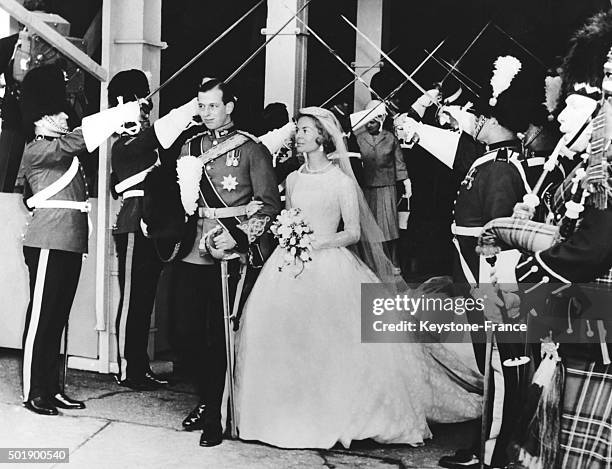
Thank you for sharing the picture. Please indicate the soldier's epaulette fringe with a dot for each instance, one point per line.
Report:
(251, 136)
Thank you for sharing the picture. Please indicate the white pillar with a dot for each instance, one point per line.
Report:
(369, 22)
(285, 55)
(131, 38)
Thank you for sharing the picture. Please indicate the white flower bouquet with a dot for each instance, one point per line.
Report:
(295, 237)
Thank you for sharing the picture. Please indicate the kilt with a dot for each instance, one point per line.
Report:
(383, 203)
(586, 421)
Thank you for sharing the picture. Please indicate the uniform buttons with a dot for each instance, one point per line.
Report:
(215, 142)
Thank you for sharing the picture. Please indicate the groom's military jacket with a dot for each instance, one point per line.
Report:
(237, 170)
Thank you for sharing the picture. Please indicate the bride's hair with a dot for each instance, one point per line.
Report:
(324, 137)
(369, 248)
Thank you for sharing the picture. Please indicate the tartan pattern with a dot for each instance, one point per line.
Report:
(518, 233)
(605, 279)
(586, 421)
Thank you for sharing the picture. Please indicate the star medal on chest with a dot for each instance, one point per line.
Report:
(229, 183)
(233, 158)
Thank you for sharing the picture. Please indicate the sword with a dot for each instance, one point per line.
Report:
(447, 67)
(401, 85)
(260, 48)
(391, 61)
(536, 58)
(466, 51)
(229, 347)
(337, 57)
(203, 51)
(456, 72)
(328, 100)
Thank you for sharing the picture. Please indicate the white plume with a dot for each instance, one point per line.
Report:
(506, 68)
(552, 92)
(189, 172)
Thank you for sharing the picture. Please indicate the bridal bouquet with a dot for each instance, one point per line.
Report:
(294, 236)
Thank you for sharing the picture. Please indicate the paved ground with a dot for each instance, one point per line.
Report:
(122, 428)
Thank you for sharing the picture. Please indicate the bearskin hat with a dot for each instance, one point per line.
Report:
(587, 53)
(43, 93)
(521, 102)
(131, 85)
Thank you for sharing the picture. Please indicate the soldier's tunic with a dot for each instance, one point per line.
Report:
(139, 265)
(585, 257)
(53, 247)
(236, 177)
(383, 166)
(495, 182)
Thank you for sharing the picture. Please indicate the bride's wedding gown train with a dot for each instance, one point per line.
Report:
(303, 377)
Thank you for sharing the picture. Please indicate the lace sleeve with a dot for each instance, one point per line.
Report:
(349, 207)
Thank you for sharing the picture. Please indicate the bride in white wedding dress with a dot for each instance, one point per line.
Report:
(303, 377)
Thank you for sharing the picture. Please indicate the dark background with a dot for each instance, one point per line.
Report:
(542, 26)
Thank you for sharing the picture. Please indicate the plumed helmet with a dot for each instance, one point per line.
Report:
(43, 94)
(131, 85)
(514, 95)
(583, 65)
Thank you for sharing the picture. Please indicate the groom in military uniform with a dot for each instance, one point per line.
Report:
(237, 175)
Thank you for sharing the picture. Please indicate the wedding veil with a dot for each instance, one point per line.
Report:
(370, 248)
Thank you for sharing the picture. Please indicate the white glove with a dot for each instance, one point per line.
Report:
(425, 100)
(405, 130)
(129, 112)
(169, 127)
(465, 121)
(275, 139)
(407, 188)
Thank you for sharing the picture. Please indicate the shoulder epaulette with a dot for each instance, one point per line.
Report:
(195, 136)
(251, 136)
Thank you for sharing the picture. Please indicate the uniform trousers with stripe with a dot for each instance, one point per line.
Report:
(139, 271)
(54, 276)
(507, 385)
(198, 331)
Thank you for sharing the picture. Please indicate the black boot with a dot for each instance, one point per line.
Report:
(463, 458)
(156, 379)
(64, 402)
(212, 435)
(195, 419)
(41, 406)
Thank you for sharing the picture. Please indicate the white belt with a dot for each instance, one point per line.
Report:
(132, 180)
(69, 204)
(473, 231)
(133, 193)
(222, 212)
(55, 187)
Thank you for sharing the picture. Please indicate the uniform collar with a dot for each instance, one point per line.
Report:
(45, 137)
(222, 131)
(514, 144)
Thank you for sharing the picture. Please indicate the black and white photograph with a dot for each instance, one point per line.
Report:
(306, 234)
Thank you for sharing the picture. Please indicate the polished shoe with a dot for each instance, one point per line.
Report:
(462, 459)
(41, 406)
(211, 436)
(140, 384)
(64, 402)
(150, 376)
(195, 419)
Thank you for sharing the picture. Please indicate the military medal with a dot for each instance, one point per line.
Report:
(232, 159)
(229, 183)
